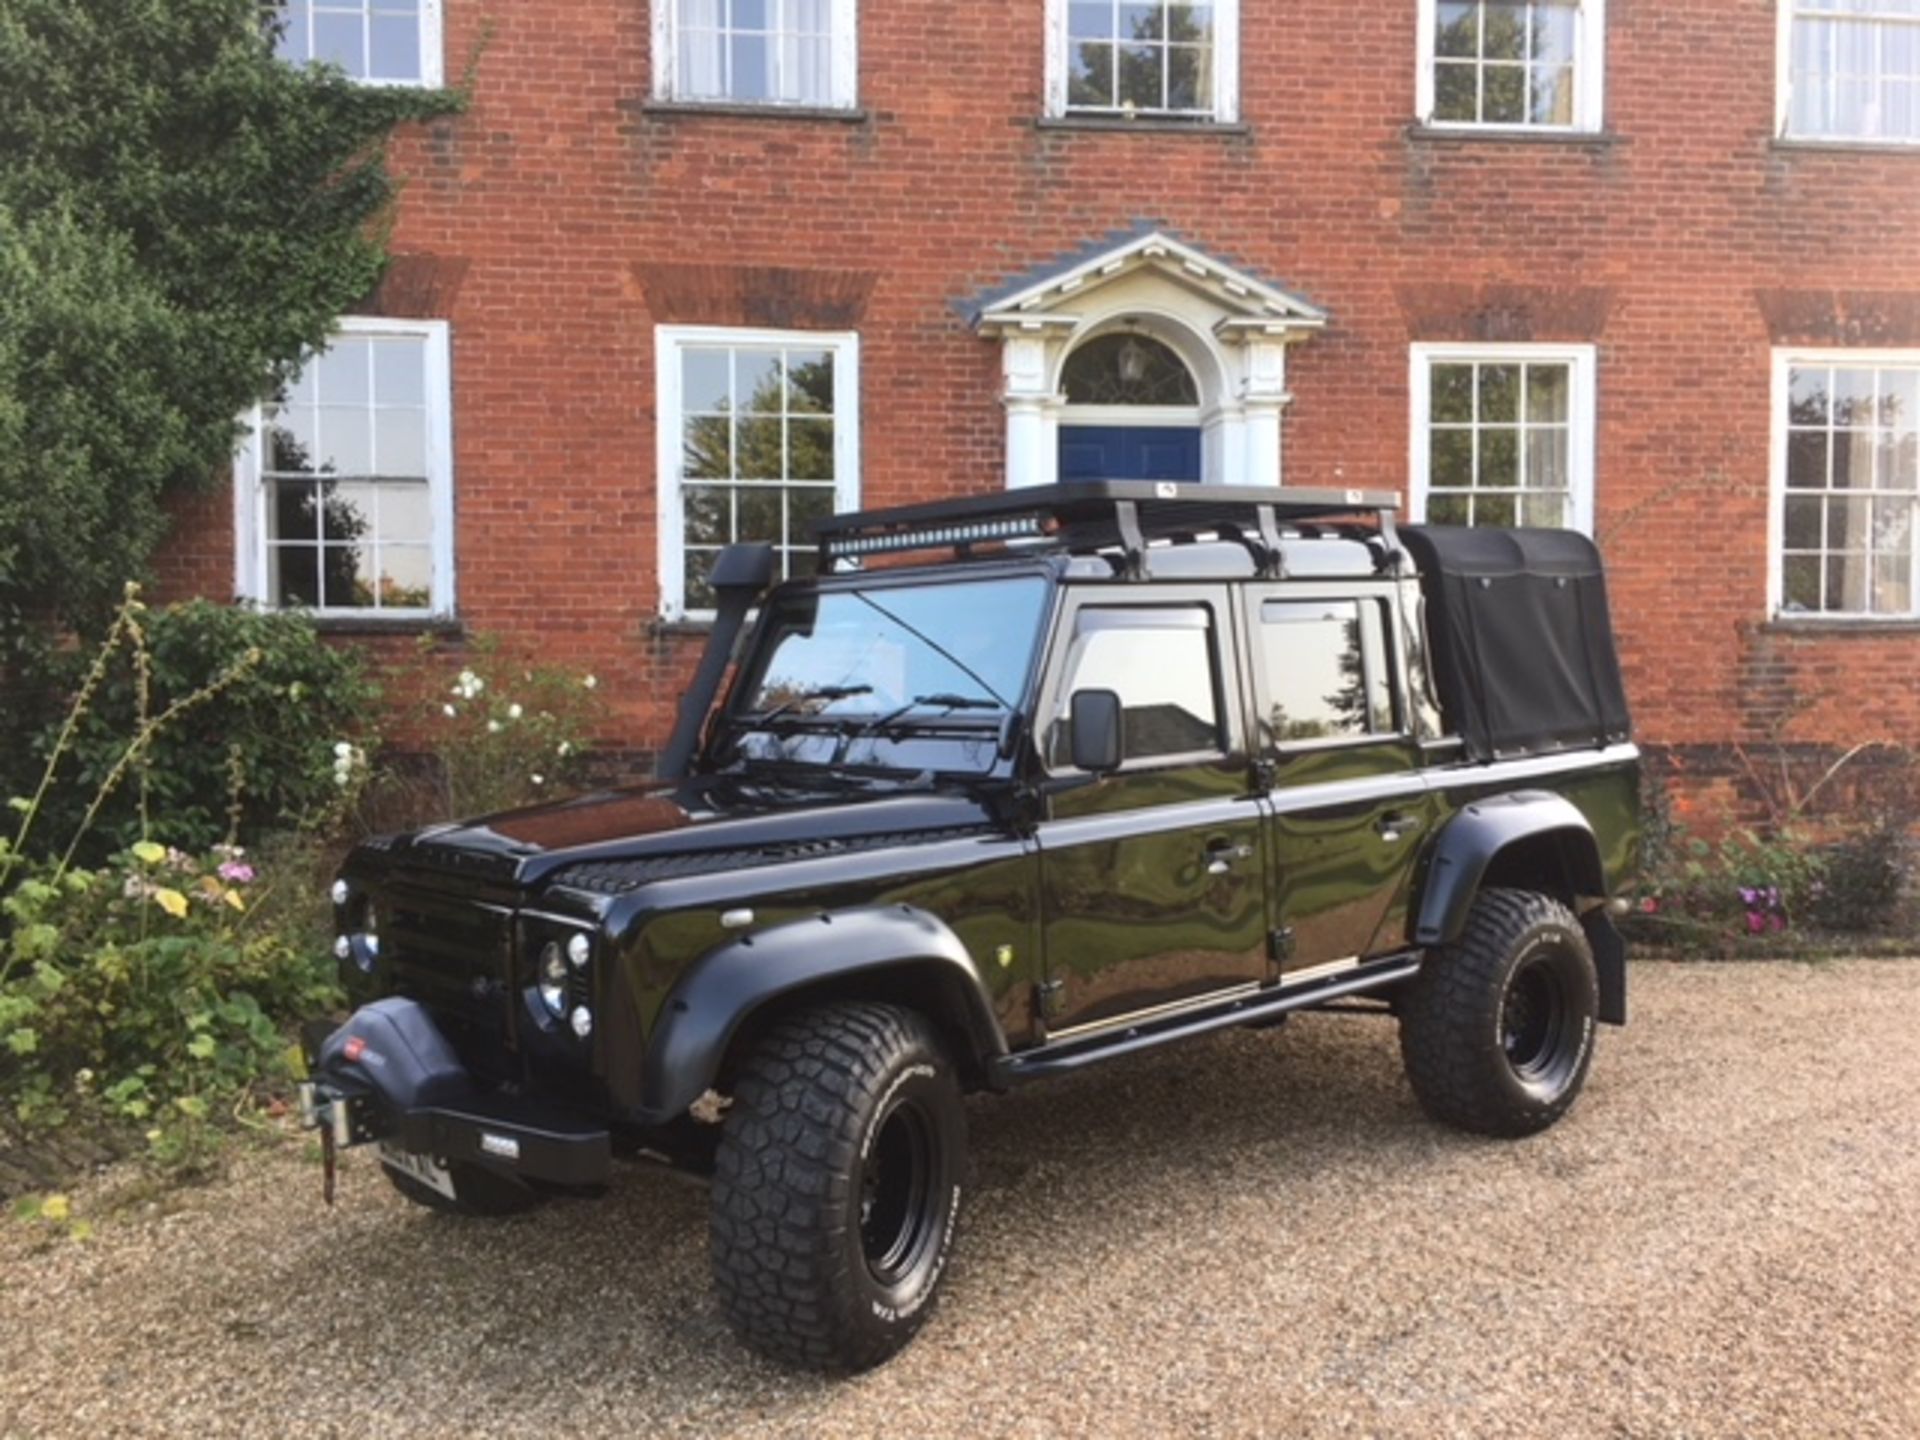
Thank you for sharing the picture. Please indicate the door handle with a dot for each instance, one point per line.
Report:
(1222, 853)
(1396, 823)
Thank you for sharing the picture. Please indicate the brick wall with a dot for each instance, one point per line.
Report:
(562, 218)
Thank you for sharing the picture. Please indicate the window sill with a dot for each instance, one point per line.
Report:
(1151, 125)
(740, 110)
(1841, 625)
(1510, 135)
(443, 625)
(1846, 147)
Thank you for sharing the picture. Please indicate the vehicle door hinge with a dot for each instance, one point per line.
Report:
(1266, 774)
(1050, 998)
(1280, 944)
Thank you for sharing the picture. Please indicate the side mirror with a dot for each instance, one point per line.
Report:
(1099, 731)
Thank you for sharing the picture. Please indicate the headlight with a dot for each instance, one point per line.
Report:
(553, 979)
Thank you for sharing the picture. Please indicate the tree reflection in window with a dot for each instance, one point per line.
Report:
(1128, 369)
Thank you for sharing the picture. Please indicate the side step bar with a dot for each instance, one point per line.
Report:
(1062, 1056)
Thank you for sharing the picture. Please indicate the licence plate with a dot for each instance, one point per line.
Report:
(424, 1168)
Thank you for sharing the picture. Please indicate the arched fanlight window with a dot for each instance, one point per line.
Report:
(1128, 369)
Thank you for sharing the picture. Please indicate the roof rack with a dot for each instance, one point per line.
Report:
(1096, 515)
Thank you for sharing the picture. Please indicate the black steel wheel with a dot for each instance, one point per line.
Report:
(1497, 1029)
(837, 1185)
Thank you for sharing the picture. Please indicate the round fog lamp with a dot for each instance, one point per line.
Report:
(578, 949)
(582, 1021)
(342, 948)
(340, 892)
(553, 979)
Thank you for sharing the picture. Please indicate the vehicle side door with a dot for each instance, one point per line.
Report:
(1151, 883)
(1346, 802)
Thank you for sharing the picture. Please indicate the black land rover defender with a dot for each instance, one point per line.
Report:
(1108, 766)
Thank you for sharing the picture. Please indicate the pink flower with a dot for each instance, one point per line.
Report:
(236, 872)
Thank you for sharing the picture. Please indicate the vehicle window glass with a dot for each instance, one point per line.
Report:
(871, 650)
(1326, 671)
(1160, 663)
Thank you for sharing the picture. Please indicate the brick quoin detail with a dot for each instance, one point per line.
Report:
(562, 218)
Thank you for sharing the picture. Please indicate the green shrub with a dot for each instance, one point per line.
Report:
(263, 706)
(505, 732)
(147, 993)
(1863, 880)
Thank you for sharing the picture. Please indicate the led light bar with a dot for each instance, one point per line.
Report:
(1013, 527)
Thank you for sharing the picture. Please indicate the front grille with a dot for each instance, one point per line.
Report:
(455, 957)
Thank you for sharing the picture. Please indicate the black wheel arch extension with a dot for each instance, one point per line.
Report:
(892, 953)
(1527, 840)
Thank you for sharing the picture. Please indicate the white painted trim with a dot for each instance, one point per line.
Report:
(250, 497)
(668, 452)
(1589, 77)
(1782, 90)
(1582, 413)
(433, 65)
(843, 81)
(1785, 15)
(1785, 357)
(1226, 63)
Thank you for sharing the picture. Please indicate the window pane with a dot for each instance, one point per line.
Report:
(293, 575)
(809, 449)
(759, 453)
(1090, 80)
(810, 381)
(1189, 78)
(1852, 460)
(343, 375)
(1456, 92)
(1458, 32)
(395, 45)
(346, 577)
(399, 373)
(290, 34)
(1847, 584)
(759, 514)
(1551, 100)
(1500, 393)
(699, 573)
(1505, 34)
(1893, 525)
(400, 443)
(289, 441)
(1190, 23)
(1900, 400)
(1853, 397)
(707, 453)
(806, 69)
(750, 14)
(347, 511)
(1499, 460)
(406, 577)
(1447, 510)
(1807, 460)
(340, 40)
(1893, 584)
(292, 515)
(1899, 466)
(1546, 510)
(1090, 21)
(1547, 460)
(1803, 516)
(1493, 510)
(1808, 400)
(806, 504)
(1801, 583)
(406, 514)
(1847, 524)
(1141, 22)
(1554, 32)
(759, 382)
(751, 59)
(1452, 459)
(708, 512)
(1315, 675)
(1163, 675)
(346, 440)
(706, 379)
(1504, 94)
(1140, 77)
(1547, 389)
(1451, 391)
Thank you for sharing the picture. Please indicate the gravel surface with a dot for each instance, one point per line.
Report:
(1256, 1233)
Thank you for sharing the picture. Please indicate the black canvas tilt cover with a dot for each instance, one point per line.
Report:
(1522, 642)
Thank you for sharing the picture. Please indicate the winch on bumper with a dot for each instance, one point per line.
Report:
(389, 1075)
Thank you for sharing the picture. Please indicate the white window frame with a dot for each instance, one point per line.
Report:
(1786, 11)
(250, 500)
(433, 66)
(1226, 70)
(1784, 359)
(669, 450)
(1582, 361)
(1589, 79)
(844, 65)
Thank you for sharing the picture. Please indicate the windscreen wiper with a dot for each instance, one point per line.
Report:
(820, 692)
(941, 698)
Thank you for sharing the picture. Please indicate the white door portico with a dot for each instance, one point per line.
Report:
(1229, 328)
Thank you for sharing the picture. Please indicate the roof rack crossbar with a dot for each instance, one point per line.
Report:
(1104, 514)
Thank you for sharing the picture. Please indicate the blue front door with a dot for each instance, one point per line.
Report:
(1129, 452)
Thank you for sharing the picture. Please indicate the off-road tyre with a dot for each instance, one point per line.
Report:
(1497, 1029)
(837, 1185)
(477, 1192)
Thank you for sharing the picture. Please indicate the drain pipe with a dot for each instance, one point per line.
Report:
(741, 574)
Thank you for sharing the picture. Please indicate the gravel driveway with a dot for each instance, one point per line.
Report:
(1254, 1233)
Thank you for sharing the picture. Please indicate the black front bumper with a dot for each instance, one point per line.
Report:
(388, 1075)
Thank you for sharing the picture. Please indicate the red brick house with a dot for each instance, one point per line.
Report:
(697, 269)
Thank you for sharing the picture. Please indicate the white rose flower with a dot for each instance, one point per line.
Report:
(592, 682)
(538, 779)
(514, 712)
(449, 711)
(493, 727)
(343, 750)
